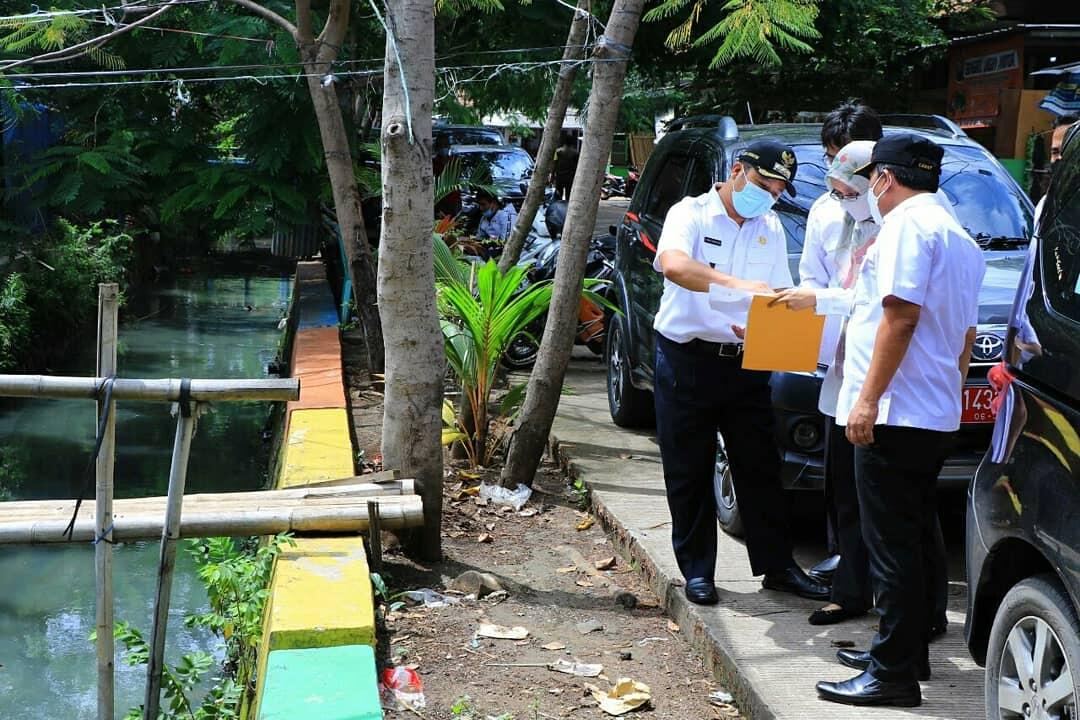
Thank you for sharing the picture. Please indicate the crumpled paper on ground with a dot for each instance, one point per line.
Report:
(504, 496)
(627, 695)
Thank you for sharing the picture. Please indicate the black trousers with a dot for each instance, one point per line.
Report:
(896, 480)
(696, 395)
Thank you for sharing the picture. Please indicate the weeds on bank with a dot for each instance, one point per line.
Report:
(236, 573)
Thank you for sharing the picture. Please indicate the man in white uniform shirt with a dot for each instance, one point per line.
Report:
(727, 240)
(906, 356)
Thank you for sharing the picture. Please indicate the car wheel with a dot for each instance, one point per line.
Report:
(629, 406)
(727, 505)
(1033, 660)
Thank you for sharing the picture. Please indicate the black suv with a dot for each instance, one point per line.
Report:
(1023, 538)
(696, 153)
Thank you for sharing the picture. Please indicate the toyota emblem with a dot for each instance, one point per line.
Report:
(987, 348)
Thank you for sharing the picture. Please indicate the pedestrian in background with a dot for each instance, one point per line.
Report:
(906, 354)
(566, 159)
(497, 218)
(727, 239)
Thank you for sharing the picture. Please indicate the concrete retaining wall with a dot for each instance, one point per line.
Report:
(317, 658)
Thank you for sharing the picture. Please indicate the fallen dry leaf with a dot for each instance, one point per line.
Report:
(627, 695)
(565, 570)
(529, 512)
(498, 632)
(485, 538)
(673, 626)
(586, 523)
(584, 583)
(605, 564)
(465, 474)
(554, 646)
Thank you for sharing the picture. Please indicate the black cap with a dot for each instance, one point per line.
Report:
(906, 150)
(773, 160)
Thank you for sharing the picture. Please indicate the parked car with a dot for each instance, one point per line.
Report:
(700, 151)
(443, 136)
(1023, 540)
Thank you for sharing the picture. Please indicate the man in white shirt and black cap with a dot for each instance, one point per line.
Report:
(726, 242)
(907, 349)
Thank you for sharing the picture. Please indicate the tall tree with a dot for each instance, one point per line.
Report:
(545, 384)
(317, 55)
(415, 365)
(545, 156)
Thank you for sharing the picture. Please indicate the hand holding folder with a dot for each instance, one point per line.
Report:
(780, 339)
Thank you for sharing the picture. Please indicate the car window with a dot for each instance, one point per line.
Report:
(668, 187)
(986, 201)
(701, 177)
(1003, 274)
(1061, 244)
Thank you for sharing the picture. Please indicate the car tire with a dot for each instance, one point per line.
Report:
(727, 505)
(1035, 611)
(629, 406)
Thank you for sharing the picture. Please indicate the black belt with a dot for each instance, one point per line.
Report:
(714, 349)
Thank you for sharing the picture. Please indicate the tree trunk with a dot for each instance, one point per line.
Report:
(545, 156)
(412, 417)
(350, 218)
(545, 384)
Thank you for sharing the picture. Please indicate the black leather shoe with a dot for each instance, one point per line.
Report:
(860, 660)
(823, 572)
(937, 631)
(793, 580)
(701, 591)
(865, 689)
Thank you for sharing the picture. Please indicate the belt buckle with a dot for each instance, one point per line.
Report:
(731, 350)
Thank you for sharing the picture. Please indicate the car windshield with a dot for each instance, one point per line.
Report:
(504, 165)
(468, 136)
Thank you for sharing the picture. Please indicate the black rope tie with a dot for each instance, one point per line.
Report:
(185, 397)
(104, 395)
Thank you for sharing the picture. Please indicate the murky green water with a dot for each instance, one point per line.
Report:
(210, 327)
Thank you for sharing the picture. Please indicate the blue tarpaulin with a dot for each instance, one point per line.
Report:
(1064, 99)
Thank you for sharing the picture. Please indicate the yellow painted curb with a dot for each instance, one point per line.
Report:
(318, 447)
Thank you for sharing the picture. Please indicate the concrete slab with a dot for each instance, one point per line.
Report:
(321, 684)
(318, 447)
(757, 641)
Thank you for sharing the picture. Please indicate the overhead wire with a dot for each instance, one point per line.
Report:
(44, 15)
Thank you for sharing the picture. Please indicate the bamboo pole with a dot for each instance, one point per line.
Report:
(166, 390)
(170, 533)
(108, 306)
(341, 516)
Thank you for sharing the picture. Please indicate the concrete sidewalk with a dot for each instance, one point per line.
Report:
(757, 641)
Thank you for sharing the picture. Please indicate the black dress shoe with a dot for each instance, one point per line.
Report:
(823, 572)
(937, 631)
(793, 580)
(860, 660)
(701, 591)
(865, 689)
(831, 617)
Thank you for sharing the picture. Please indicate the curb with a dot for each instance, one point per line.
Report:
(716, 655)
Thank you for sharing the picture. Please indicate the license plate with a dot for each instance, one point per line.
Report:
(976, 405)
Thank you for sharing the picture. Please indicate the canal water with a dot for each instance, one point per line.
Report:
(203, 327)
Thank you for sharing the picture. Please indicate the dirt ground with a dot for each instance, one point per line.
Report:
(562, 582)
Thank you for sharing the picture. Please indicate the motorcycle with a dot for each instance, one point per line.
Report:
(615, 186)
(593, 317)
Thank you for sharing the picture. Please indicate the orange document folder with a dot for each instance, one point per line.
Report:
(781, 339)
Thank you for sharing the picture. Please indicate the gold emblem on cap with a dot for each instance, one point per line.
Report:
(788, 158)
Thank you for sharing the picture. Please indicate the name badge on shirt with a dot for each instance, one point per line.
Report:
(714, 241)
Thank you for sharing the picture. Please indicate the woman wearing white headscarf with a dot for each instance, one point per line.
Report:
(829, 269)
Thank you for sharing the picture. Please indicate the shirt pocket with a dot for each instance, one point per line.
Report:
(717, 253)
(760, 259)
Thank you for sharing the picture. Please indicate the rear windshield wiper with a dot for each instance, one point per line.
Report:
(986, 240)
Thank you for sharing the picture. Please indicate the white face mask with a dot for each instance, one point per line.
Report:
(859, 208)
(873, 201)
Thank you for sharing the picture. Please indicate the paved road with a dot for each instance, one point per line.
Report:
(758, 641)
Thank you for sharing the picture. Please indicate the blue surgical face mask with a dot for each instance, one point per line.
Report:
(752, 201)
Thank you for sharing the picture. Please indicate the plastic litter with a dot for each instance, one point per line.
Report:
(499, 495)
(576, 668)
(498, 632)
(627, 695)
(721, 698)
(402, 686)
(430, 599)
